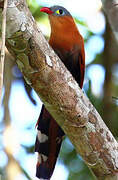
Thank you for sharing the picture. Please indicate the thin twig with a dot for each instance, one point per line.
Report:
(2, 56)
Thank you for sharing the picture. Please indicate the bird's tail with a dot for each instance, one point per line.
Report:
(48, 143)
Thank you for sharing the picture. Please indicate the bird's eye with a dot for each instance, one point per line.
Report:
(59, 12)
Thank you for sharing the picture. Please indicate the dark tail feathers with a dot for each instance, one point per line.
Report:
(48, 143)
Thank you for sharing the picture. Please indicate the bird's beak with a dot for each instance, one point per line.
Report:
(46, 10)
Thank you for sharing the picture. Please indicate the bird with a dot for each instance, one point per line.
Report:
(68, 44)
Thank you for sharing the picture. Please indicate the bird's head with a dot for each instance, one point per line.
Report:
(58, 11)
(60, 18)
(63, 27)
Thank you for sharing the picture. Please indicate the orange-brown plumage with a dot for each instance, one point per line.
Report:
(68, 43)
(65, 38)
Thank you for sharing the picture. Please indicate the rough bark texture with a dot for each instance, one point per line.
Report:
(111, 9)
(60, 93)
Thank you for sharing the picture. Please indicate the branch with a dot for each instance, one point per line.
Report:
(2, 56)
(111, 9)
(61, 95)
(13, 167)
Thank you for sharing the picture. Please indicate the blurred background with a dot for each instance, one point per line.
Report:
(21, 106)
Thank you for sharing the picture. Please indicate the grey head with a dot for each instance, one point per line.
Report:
(59, 11)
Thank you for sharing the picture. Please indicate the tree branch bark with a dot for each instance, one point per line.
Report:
(61, 95)
(2, 54)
